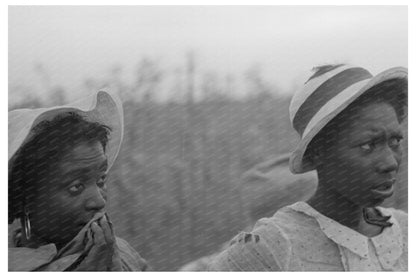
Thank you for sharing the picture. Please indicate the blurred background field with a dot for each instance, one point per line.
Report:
(175, 189)
(206, 91)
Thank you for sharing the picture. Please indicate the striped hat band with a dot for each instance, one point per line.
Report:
(323, 89)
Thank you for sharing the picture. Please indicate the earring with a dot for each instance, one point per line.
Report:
(26, 225)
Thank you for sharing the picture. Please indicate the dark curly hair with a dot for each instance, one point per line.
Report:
(51, 140)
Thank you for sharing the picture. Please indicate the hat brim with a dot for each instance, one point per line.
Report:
(297, 163)
(102, 107)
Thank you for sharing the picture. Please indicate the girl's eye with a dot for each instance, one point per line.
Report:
(367, 147)
(101, 181)
(395, 142)
(76, 188)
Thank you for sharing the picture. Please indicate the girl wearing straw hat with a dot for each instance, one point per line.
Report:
(349, 124)
(59, 158)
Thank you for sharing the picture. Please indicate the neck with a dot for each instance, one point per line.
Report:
(332, 204)
(33, 242)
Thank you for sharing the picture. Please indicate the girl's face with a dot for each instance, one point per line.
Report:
(71, 193)
(364, 158)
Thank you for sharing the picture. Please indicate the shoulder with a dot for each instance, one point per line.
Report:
(131, 260)
(266, 248)
(246, 252)
(200, 264)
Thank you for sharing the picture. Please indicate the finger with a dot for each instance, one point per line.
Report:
(89, 239)
(111, 242)
(96, 258)
(105, 241)
(108, 233)
(98, 234)
(109, 223)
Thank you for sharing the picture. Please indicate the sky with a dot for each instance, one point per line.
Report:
(74, 43)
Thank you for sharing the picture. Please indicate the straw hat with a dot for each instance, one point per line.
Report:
(324, 96)
(101, 107)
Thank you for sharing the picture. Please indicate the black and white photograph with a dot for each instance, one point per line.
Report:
(209, 138)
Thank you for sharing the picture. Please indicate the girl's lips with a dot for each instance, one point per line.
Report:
(384, 190)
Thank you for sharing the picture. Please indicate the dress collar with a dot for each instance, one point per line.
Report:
(388, 243)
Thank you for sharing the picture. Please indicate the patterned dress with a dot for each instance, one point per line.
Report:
(299, 238)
